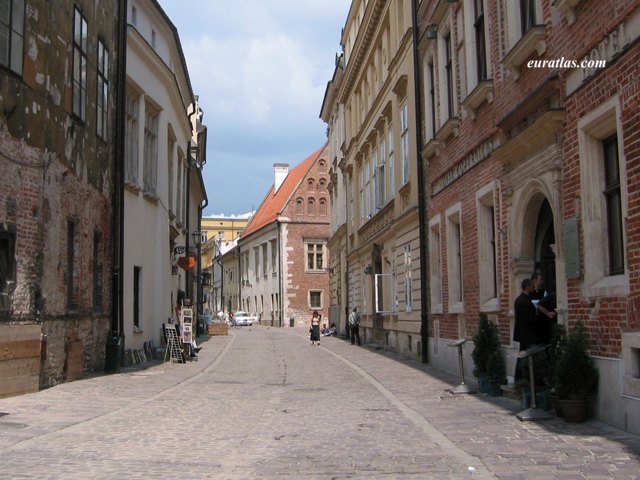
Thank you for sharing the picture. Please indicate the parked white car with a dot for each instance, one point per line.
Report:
(243, 318)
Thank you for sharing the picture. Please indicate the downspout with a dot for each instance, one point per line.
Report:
(422, 207)
(280, 301)
(201, 207)
(117, 260)
(188, 286)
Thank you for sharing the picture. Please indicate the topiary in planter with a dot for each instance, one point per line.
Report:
(576, 377)
(486, 343)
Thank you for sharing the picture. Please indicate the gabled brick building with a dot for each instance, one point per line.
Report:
(282, 252)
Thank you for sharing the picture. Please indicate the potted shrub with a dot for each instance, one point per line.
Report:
(556, 346)
(486, 343)
(576, 377)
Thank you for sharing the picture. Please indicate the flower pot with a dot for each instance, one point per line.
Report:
(494, 389)
(555, 404)
(484, 385)
(575, 411)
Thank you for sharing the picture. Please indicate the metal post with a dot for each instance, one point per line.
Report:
(462, 387)
(533, 412)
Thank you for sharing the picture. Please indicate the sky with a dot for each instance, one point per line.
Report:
(260, 69)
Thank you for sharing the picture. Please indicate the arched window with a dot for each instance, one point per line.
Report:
(322, 208)
(311, 206)
(299, 206)
(322, 164)
(322, 184)
(311, 184)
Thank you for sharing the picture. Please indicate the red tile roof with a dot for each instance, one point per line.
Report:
(273, 204)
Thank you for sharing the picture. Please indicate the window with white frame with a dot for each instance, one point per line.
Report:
(487, 257)
(151, 150)
(102, 96)
(131, 133)
(386, 296)
(265, 257)
(391, 163)
(12, 35)
(315, 256)
(435, 266)
(179, 185)
(454, 259)
(79, 75)
(408, 283)
(381, 177)
(604, 200)
(522, 15)
(404, 142)
(448, 72)
(256, 262)
(274, 257)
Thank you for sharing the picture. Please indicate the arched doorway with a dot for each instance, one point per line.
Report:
(544, 246)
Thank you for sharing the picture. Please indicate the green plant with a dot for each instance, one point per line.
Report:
(495, 368)
(486, 342)
(576, 377)
(556, 346)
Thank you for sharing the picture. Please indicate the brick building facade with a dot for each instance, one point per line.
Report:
(533, 166)
(283, 251)
(57, 91)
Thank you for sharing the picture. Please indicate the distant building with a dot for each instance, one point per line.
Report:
(283, 251)
(219, 234)
(57, 114)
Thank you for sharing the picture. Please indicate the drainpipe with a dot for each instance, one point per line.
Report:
(422, 206)
(114, 349)
(280, 301)
(201, 207)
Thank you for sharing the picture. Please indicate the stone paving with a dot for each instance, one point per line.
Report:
(264, 403)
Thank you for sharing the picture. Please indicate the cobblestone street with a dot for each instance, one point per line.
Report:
(264, 403)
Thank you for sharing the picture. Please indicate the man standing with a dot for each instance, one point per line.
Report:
(354, 326)
(527, 330)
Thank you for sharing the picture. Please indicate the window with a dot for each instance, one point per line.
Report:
(391, 164)
(102, 96)
(170, 161)
(7, 264)
(274, 257)
(299, 206)
(134, 15)
(97, 271)
(613, 204)
(366, 192)
(311, 206)
(72, 270)
(487, 266)
(380, 175)
(265, 257)
(408, 284)
(179, 189)
(12, 34)
(256, 261)
(322, 210)
(481, 51)
(448, 68)
(131, 147)
(435, 266)
(431, 95)
(150, 151)
(315, 299)
(79, 82)
(404, 142)
(454, 260)
(527, 15)
(137, 293)
(315, 259)
(385, 289)
(604, 201)
(310, 185)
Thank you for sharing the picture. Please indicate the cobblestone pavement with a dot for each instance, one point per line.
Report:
(264, 403)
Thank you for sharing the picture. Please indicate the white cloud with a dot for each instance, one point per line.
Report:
(260, 68)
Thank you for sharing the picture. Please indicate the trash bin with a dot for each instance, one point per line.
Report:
(292, 321)
(112, 356)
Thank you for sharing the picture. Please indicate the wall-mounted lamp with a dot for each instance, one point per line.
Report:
(432, 31)
(368, 270)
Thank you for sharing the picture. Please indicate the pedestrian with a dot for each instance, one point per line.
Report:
(528, 329)
(538, 291)
(314, 329)
(354, 326)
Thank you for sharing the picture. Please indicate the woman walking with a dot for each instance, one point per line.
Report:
(315, 328)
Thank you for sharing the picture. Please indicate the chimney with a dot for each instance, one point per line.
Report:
(280, 170)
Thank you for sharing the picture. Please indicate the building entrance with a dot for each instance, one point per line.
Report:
(544, 246)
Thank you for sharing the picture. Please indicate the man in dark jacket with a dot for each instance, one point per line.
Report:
(528, 329)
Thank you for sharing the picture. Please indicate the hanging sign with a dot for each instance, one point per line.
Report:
(187, 263)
